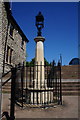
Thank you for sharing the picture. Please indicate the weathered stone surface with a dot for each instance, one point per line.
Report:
(39, 60)
(15, 42)
(1, 56)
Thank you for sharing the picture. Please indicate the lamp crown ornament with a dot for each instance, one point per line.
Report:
(39, 23)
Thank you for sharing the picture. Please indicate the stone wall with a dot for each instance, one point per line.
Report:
(3, 23)
(1, 56)
(4, 30)
(14, 42)
(70, 72)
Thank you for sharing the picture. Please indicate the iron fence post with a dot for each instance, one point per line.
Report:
(60, 87)
(13, 81)
(22, 77)
(52, 84)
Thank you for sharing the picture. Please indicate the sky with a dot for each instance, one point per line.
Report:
(60, 28)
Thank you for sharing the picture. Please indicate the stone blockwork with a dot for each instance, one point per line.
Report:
(70, 79)
(12, 45)
(4, 31)
(70, 75)
(70, 72)
(1, 55)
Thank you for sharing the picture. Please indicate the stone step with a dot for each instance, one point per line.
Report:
(71, 89)
(68, 88)
(6, 88)
(71, 93)
(6, 91)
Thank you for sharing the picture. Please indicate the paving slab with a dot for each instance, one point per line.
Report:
(69, 109)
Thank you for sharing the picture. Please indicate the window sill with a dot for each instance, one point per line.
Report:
(11, 37)
(22, 48)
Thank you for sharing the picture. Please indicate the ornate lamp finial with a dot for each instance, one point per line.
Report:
(39, 23)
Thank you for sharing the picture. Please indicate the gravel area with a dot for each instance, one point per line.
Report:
(69, 109)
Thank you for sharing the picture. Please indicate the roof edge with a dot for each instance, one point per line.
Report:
(11, 18)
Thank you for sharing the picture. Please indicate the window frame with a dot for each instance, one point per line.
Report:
(9, 55)
(11, 31)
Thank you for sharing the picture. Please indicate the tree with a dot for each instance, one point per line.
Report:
(46, 62)
(32, 62)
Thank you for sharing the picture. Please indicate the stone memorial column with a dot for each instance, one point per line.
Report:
(39, 68)
(39, 62)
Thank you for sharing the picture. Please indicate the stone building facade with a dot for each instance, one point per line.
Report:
(1, 56)
(12, 40)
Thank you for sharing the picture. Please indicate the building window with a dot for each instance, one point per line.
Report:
(9, 55)
(11, 30)
(11, 51)
(22, 43)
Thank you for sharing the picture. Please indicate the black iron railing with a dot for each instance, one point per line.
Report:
(36, 91)
(12, 77)
(29, 87)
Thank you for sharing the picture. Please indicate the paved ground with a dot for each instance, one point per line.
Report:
(69, 109)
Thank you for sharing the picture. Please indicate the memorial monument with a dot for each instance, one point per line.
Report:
(39, 53)
(40, 93)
